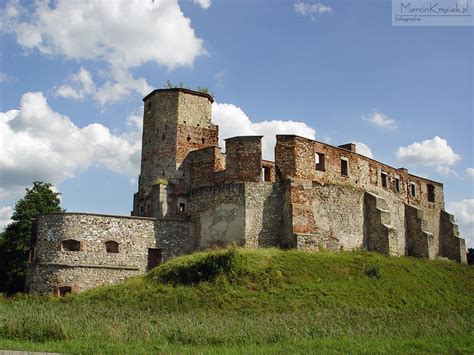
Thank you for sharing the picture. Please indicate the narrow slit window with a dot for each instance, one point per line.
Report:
(344, 167)
(320, 159)
(182, 207)
(412, 189)
(431, 193)
(148, 106)
(384, 179)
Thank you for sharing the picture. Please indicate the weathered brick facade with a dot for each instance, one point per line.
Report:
(314, 196)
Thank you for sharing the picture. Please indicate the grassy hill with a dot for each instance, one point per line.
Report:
(264, 300)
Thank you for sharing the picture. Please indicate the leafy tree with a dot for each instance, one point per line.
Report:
(15, 240)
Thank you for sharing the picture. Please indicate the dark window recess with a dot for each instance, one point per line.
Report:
(413, 189)
(182, 207)
(70, 245)
(320, 161)
(189, 138)
(163, 137)
(344, 167)
(63, 291)
(154, 257)
(266, 173)
(203, 140)
(148, 106)
(431, 193)
(111, 246)
(397, 185)
(384, 179)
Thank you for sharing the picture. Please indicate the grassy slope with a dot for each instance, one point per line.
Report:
(257, 300)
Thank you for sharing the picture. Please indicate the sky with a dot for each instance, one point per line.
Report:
(73, 75)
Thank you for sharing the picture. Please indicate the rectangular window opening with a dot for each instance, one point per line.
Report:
(344, 167)
(412, 189)
(431, 193)
(320, 159)
(182, 207)
(266, 173)
(384, 179)
(397, 184)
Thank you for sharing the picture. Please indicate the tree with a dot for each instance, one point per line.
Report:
(15, 240)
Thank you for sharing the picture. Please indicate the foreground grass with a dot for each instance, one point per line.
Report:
(259, 301)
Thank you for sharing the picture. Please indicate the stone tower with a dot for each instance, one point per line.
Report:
(175, 122)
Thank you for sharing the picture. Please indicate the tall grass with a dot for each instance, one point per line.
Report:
(258, 300)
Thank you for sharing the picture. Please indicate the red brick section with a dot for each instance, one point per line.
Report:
(243, 159)
(189, 138)
(205, 164)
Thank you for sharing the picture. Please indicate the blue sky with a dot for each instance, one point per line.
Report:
(73, 73)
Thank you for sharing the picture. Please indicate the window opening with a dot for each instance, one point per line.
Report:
(70, 245)
(63, 291)
(320, 159)
(111, 246)
(384, 179)
(344, 167)
(431, 193)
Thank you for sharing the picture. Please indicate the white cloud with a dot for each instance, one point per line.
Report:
(464, 212)
(233, 121)
(381, 120)
(363, 149)
(123, 34)
(37, 143)
(306, 9)
(445, 171)
(429, 152)
(81, 85)
(470, 172)
(203, 3)
(5, 216)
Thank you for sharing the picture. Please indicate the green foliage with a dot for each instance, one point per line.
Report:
(15, 241)
(374, 272)
(170, 85)
(258, 301)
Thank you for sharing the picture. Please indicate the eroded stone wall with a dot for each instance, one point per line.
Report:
(93, 263)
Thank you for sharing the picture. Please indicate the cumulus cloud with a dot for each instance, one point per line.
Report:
(81, 85)
(37, 143)
(464, 212)
(5, 216)
(470, 172)
(430, 152)
(363, 149)
(233, 121)
(203, 3)
(307, 9)
(122, 34)
(381, 120)
(445, 171)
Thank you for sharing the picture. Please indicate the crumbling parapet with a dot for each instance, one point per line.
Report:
(452, 246)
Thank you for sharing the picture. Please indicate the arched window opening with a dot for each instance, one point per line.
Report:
(111, 247)
(71, 245)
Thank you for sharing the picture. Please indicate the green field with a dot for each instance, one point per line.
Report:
(265, 300)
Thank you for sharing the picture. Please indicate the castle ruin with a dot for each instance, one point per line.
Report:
(191, 196)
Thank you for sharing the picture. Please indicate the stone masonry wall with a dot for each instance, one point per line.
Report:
(133, 235)
(218, 215)
(174, 238)
(243, 159)
(263, 214)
